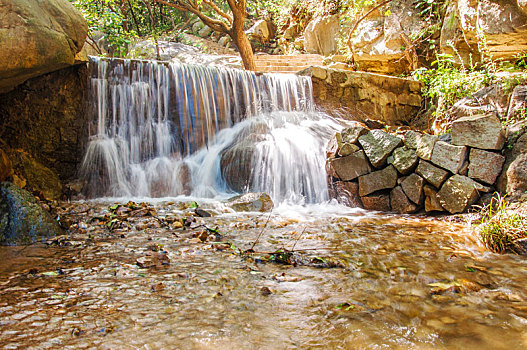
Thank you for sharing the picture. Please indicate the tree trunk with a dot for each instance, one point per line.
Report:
(244, 45)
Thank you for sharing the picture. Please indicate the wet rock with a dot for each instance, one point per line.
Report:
(379, 202)
(431, 200)
(485, 166)
(39, 177)
(480, 131)
(378, 180)
(413, 188)
(400, 202)
(458, 193)
(425, 145)
(251, 202)
(22, 218)
(348, 168)
(449, 157)
(202, 213)
(404, 160)
(339, 146)
(431, 173)
(352, 133)
(6, 169)
(236, 166)
(347, 193)
(348, 149)
(378, 145)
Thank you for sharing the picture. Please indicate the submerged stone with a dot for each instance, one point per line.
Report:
(251, 202)
(22, 219)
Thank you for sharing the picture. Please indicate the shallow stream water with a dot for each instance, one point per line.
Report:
(353, 280)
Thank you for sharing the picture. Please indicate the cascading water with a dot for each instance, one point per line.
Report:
(166, 129)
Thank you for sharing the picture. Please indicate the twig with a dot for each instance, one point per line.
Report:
(299, 236)
(260, 235)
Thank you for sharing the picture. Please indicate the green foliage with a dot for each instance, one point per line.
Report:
(121, 21)
(500, 228)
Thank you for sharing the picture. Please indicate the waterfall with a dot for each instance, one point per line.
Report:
(162, 129)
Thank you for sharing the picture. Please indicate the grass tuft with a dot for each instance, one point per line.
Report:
(499, 227)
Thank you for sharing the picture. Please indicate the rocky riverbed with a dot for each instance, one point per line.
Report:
(165, 275)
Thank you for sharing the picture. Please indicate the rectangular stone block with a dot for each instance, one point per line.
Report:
(425, 145)
(413, 188)
(348, 168)
(449, 157)
(378, 180)
(485, 166)
(479, 131)
(431, 173)
(400, 202)
(379, 202)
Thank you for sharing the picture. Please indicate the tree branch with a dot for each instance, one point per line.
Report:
(361, 19)
(215, 24)
(218, 10)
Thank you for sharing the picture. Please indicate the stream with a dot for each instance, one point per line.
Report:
(351, 279)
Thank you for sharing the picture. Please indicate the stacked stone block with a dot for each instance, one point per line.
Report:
(413, 171)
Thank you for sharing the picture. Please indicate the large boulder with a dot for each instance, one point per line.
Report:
(37, 37)
(22, 219)
(236, 166)
(261, 31)
(501, 22)
(379, 41)
(320, 35)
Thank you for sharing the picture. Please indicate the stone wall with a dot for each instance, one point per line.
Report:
(410, 171)
(392, 100)
(43, 128)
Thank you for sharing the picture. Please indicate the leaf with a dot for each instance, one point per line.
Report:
(50, 273)
(114, 207)
(193, 205)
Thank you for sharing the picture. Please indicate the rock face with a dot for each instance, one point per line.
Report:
(47, 123)
(22, 219)
(320, 35)
(251, 202)
(392, 100)
(379, 40)
(38, 37)
(6, 169)
(481, 131)
(501, 22)
(236, 166)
